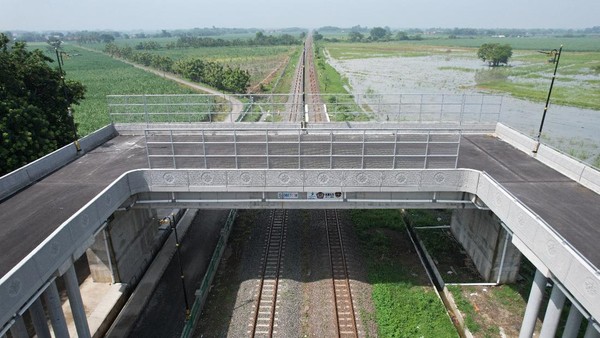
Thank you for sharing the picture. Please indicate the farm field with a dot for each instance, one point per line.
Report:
(104, 76)
(259, 61)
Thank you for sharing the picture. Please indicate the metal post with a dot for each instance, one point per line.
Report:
(503, 256)
(72, 285)
(426, 150)
(146, 111)
(147, 150)
(38, 317)
(362, 159)
(591, 331)
(179, 260)
(204, 150)
(395, 149)
(330, 149)
(533, 305)
(55, 312)
(235, 153)
(18, 329)
(573, 323)
(539, 135)
(553, 312)
(421, 110)
(462, 110)
(267, 148)
(172, 149)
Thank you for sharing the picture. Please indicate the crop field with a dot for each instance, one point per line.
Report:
(103, 76)
(260, 61)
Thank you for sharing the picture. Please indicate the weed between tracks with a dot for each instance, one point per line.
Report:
(406, 305)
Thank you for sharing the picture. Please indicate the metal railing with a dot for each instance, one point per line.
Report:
(458, 108)
(195, 108)
(313, 148)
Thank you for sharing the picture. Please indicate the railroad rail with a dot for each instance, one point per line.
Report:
(265, 310)
(342, 293)
(297, 94)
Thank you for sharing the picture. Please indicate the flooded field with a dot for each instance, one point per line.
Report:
(575, 131)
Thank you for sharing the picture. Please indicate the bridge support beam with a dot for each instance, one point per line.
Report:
(533, 305)
(19, 330)
(38, 317)
(573, 323)
(79, 316)
(487, 243)
(553, 312)
(55, 312)
(591, 331)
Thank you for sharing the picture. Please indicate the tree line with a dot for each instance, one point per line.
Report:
(215, 74)
(260, 39)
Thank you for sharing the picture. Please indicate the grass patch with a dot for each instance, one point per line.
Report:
(405, 305)
(340, 107)
(465, 307)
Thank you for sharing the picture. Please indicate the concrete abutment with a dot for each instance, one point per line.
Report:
(488, 244)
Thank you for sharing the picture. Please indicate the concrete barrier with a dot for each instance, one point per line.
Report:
(38, 169)
(561, 162)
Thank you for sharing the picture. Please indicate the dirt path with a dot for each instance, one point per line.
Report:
(236, 105)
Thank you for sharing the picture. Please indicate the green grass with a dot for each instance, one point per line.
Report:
(405, 307)
(104, 76)
(465, 308)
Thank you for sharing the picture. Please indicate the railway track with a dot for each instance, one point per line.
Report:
(342, 293)
(305, 91)
(265, 309)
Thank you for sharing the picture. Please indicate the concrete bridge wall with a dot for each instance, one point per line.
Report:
(487, 243)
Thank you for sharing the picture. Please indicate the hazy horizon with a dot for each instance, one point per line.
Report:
(148, 15)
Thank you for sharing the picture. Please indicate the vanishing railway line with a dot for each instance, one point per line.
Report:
(305, 96)
(342, 294)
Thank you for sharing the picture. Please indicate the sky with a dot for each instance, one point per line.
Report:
(125, 15)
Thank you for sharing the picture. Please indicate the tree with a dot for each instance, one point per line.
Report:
(494, 53)
(378, 33)
(356, 36)
(35, 103)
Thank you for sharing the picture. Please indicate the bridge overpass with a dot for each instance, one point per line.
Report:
(543, 204)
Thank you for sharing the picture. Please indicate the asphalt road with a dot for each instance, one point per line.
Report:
(164, 316)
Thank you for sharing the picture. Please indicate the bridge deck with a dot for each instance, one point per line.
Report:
(34, 213)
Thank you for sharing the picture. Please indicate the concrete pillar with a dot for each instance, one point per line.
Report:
(38, 317)
(122, 253)
(18, 329)
(553, 312)
(55, 312)
(573, 323)
(79, 317)
(487, 243)
(101, 259)
(533, 305)
(591, 331)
